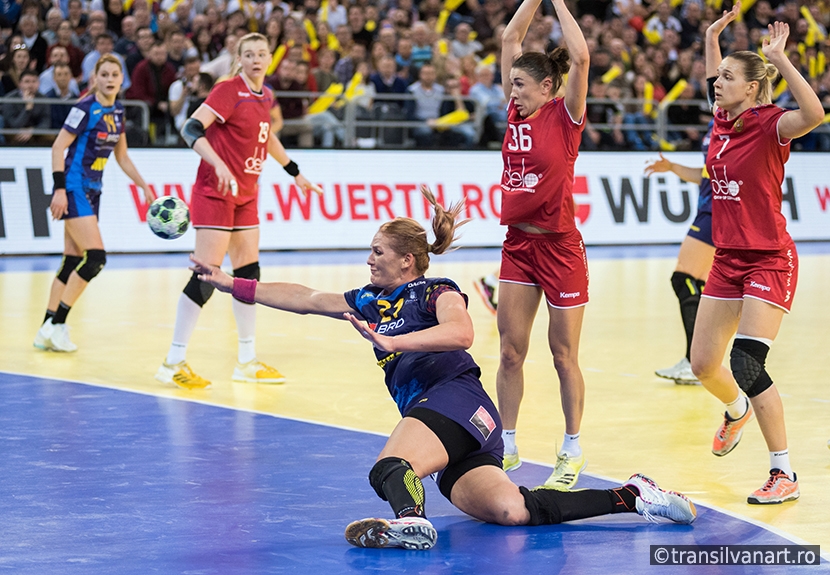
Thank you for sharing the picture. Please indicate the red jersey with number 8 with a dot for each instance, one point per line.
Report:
(539, 153)
(239, 135)
(746, 164)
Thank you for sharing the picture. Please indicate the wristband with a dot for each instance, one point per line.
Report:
(292, 168)
(244, 290)
(59, 180)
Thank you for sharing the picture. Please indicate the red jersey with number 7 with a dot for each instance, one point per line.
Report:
(539, 153)
(239, 135)
(746, 164)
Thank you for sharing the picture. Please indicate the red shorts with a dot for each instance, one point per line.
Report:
(223, 212)
(767, 276)
(555, 262)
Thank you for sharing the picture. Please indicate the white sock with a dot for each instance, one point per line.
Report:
(245, 315)
(781, 460)
(737, 408)
(570, 445)
(187, 314)
(509, 438)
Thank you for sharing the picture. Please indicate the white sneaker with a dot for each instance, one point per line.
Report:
(681, 373)
(44, 335)
(415, 533)
(654, 502)
(59, 341)
(257, 372)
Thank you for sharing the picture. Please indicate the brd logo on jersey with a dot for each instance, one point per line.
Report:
(725, 189)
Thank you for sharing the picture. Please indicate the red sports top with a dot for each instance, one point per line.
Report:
(746, 163)
(239, 135)
(539, 153)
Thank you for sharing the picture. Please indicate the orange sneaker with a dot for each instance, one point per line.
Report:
(778, 489)
(730, 431)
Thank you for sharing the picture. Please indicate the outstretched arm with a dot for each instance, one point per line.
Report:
(577, 88)
(512, 38)
(295, 298)
(687, 174)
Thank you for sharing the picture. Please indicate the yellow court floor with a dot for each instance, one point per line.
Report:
(634, 421)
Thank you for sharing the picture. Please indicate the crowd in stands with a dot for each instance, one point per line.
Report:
(434, 62)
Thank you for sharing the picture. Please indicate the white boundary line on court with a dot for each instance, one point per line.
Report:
(783, 534)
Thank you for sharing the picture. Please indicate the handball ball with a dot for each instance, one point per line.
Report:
(168, 217)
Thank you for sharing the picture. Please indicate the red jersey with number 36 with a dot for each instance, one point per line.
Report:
(539, 153)
(746, 164)
(239, 135)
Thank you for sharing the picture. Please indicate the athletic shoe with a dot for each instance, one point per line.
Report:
(681, 373)
(778, 489)
(487, 291)
(511, 462)
(654, 502)
(408, 532)
(181, 375)
(730, 431)
(59, 340)
(565, 472)
(44, 335)
(257, 372)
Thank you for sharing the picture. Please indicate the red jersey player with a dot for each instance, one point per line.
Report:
(231, 131)
(754, 274)
(543, 252)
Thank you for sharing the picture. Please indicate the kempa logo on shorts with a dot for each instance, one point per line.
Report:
(564, 295)
(756, 285)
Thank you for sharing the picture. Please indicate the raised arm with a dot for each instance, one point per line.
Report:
(810, 112)
(294, 298)
(576, 89)
(713, 55)
(512, 38)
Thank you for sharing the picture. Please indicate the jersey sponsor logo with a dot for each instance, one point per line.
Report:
(73, 119)
(756, 285)
(571, 295)
(243, 94)
(519, 181)
(253, 165)
(415, 284)
(724, 188)
(390, 326)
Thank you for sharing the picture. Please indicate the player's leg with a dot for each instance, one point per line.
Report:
(72, 257)
(487, 288)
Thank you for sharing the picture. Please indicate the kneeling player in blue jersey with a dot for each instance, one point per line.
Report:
(420, 330)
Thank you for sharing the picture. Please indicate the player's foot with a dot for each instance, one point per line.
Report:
(681, 373)
(511, 462)
(730, 431)
(408, 532)
(778, 489)
(181, 375)
(654, 502)
(44, 335)
(257, 372)
(487, 290)
(59, 340)
(565, 472)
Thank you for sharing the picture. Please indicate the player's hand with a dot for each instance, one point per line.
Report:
(148, 195)
(212, 275)
(721, 23)
(305, 185)
(227, 183)
(774, 45)
(658, 166)
(382, 342)
(60, 205)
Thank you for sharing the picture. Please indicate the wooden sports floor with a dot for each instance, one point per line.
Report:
(107, 471)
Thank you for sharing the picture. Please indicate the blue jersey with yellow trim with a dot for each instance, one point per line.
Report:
(98, 129)
(704, 200)
(411, 307)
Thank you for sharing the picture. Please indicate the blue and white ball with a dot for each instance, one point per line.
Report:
(168, 217)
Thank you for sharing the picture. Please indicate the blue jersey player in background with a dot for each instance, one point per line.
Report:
(694, 260)
(420, 330)
(92, 130)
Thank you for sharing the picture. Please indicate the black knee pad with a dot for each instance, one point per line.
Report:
(747, 361)
(686, 287)
(248, 272)
(197, 290)
(383, 469)
(92, 264)
(68, 264)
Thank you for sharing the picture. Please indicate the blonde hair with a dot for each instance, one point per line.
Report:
(251, 37)
(406, 236)
(756, 70)
(105, 59)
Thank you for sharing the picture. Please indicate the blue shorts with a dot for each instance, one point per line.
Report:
(701, 228)
(82, 204)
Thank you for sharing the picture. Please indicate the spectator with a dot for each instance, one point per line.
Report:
(324, 74)
(61, 90)
(182, 91)
(357, 25)
(10, 10)
(27, 116)
(337, 15)
(686, 114)
(66, 39)
(327, 128)
(690, 24)
(97, 25)
(343, 35)
(20, 62)
(115, 16)
(386, 81)
(144, 40)
(490, 97)
(491, 15)
(388, 38)
(36, 44)
(427, 104)
(203, 43)
(153, 78)
(346, 67)
(57, 56)
(462, 45)
(421, 46)
(204, 83)
(605, 138)
(176, 48)
(104, 45)
(77, 17)
(663, 19)
(221, 65)
(126, 44)
(53, 20)
(293, 107)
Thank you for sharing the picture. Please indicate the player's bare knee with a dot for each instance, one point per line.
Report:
(512, 357)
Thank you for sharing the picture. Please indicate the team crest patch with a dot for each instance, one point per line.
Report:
(484, 422)
(739, 125)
